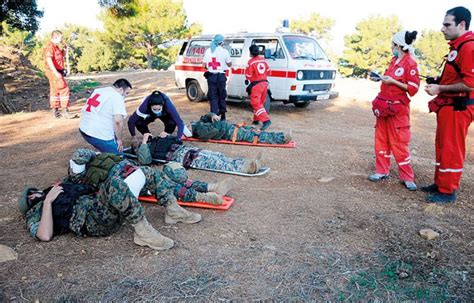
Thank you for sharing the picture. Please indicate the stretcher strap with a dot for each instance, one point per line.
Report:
(255, 140)
(236, 131)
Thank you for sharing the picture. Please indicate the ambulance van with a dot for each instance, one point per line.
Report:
(300, 70)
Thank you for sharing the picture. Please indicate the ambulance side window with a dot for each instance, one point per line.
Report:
(197, 48)
(183, 47)
(235, 47)
(273, 45)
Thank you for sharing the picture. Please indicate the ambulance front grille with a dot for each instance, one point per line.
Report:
(316, 87)
(318, 74)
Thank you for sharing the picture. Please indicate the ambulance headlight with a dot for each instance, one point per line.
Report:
(300, 75)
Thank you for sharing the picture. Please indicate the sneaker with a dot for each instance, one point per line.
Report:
(377, 177)
(441, 198)
(410, 185)
(432, 188)
(266, 125)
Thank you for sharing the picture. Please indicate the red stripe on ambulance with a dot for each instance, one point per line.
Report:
(237, 71)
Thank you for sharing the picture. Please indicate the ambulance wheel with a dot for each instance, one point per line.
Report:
(194, 91)
(302, 104)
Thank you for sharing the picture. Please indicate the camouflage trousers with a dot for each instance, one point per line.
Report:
(113, 205)
(210, 160)
(185, 189)
(247, 134)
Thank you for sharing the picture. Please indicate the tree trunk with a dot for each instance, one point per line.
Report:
(5, 105)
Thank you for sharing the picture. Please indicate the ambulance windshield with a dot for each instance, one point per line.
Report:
(304, 48)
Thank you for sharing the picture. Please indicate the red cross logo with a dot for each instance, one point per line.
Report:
(92, 102)
(214, 64)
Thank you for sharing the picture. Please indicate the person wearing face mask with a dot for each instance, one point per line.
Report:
(453, 105)
(155, 106)
(54, 53)
(392, 110)
(103, 115)
(217, 62)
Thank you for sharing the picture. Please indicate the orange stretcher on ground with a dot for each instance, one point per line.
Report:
(291, 144)
(228, 201)
(255, 142)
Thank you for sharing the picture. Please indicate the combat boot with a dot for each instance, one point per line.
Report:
(212, 198)
(288, 135)
(56, 113)
(175, 213)
(254, 165)
(146, 235)
(222, 187)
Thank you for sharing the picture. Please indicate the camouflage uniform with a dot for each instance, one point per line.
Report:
(103, 214)
(206, 159)
(205, 129)
(177, 177)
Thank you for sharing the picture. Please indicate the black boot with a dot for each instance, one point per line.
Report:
(56, 113)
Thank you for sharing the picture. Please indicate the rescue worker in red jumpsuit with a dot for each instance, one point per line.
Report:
(454, 106)
(256, 73)
(392, 109)
(55, 71)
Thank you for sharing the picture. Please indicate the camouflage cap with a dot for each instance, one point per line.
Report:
(23, 204)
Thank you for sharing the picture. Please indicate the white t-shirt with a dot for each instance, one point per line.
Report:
(217, 61)
(97, 117)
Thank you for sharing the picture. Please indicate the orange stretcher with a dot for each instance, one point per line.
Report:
(228, 201)
(291, 144)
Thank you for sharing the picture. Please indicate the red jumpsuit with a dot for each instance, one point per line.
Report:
(59, 90)
(452, 126)
(392, 134)
(258, 70)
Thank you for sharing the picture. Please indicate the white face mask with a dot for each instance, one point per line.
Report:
(56, 40)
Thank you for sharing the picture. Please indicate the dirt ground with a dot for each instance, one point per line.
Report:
(314, 228)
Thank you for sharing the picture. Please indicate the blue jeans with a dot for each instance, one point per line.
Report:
(104, 146)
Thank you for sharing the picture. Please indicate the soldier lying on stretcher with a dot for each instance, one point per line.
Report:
(211, 127)
(172, 148)
(101, 193)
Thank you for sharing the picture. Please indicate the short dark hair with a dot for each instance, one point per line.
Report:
(122, 83)
(156, 98)
(460, 13)
(56, 33)
(254, 51)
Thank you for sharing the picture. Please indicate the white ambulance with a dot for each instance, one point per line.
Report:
(300, 70)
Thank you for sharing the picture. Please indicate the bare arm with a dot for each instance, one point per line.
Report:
(435, 89)
(45, 228)
(118, 130)
(390, 80)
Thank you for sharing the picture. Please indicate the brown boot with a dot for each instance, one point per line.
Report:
(175, 213)
(146, 235)
(212, 198)
(221, 187)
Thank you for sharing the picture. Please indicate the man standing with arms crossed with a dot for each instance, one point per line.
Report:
(55, 72)
(454, 106)
(103, 116)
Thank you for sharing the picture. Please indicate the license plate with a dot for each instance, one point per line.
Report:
(322, 97)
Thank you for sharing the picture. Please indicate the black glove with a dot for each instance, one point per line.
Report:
(432, 80)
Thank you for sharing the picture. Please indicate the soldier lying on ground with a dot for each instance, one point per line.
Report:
(172, 149)
(101, 193)
(210, 127)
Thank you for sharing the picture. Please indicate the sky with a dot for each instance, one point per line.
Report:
(230, 16)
